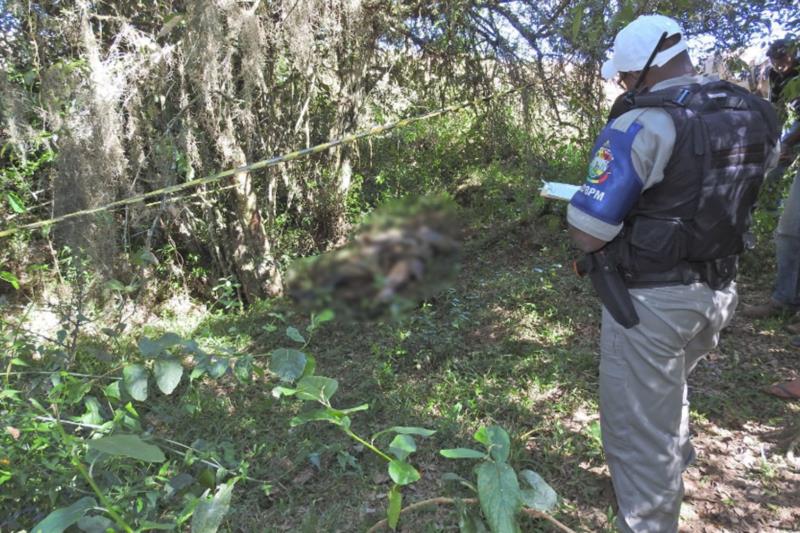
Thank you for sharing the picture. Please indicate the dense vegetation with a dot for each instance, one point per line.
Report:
(155, 376)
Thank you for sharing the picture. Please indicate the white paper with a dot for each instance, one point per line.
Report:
(558, 191)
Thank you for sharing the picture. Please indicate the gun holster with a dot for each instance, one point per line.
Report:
(608, 283)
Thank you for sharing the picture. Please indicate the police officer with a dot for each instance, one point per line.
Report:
(672, 182)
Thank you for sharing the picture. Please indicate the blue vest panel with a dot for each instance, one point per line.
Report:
(612, 185)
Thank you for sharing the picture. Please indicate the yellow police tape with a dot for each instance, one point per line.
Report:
(375, 130)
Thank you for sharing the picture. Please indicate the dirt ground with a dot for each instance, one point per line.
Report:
(743, 479)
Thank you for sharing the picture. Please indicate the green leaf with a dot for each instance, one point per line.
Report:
(146, 525)
(209, 513)
(191, 346)
(112, 390)
(92, 415)
(244, 368)
(34, 402)
(146, 257)
(95, 524)
(496, 441)
(356, 409)
(325, 316)
(61, 519)
(132, 410)
(317, 388)
(8, 277)
(405, 430)
(470, 522)
(10, 394)
(624, 16)
(279, 391)
(178, 483)
(207, 478)
(540, 496)
(452, 476)
(16, 203)
(321, 415)
(217, 366)
(170, 339)
(115, 285)
(148, 347)
(411, 430)
(168, 374)
(395, 505)
(595, 433)
(128, 446)
(169, 23)
(134, 379)
(576, 23)
(152, 348)
(288, 364)
(311, 366)
(403, 473)
(402, 446)
(295, 335)
(499, 495)
(462, 453)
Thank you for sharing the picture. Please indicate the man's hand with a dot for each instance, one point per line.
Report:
(786, 156)
(584, 241)
(790, 142)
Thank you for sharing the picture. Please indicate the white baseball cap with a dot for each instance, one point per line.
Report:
(635, 42)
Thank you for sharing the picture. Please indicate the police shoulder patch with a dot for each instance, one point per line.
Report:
(612, 185)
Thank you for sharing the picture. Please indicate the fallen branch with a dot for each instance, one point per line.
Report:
(533, 513)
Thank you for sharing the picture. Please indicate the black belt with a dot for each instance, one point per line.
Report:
(717, 273)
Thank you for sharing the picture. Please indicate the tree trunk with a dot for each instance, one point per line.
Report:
(353, 54)
(250, 245)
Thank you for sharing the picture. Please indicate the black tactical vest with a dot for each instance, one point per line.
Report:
(692, 223)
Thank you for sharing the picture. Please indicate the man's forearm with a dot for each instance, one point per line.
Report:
(584, 241)
(792, 138)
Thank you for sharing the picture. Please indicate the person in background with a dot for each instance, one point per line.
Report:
(784, 83)
(662, 247)
(784, 93)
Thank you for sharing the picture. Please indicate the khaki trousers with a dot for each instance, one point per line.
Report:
(644, 409)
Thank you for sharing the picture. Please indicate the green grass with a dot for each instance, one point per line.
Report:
(500, 346)
(514, 342)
